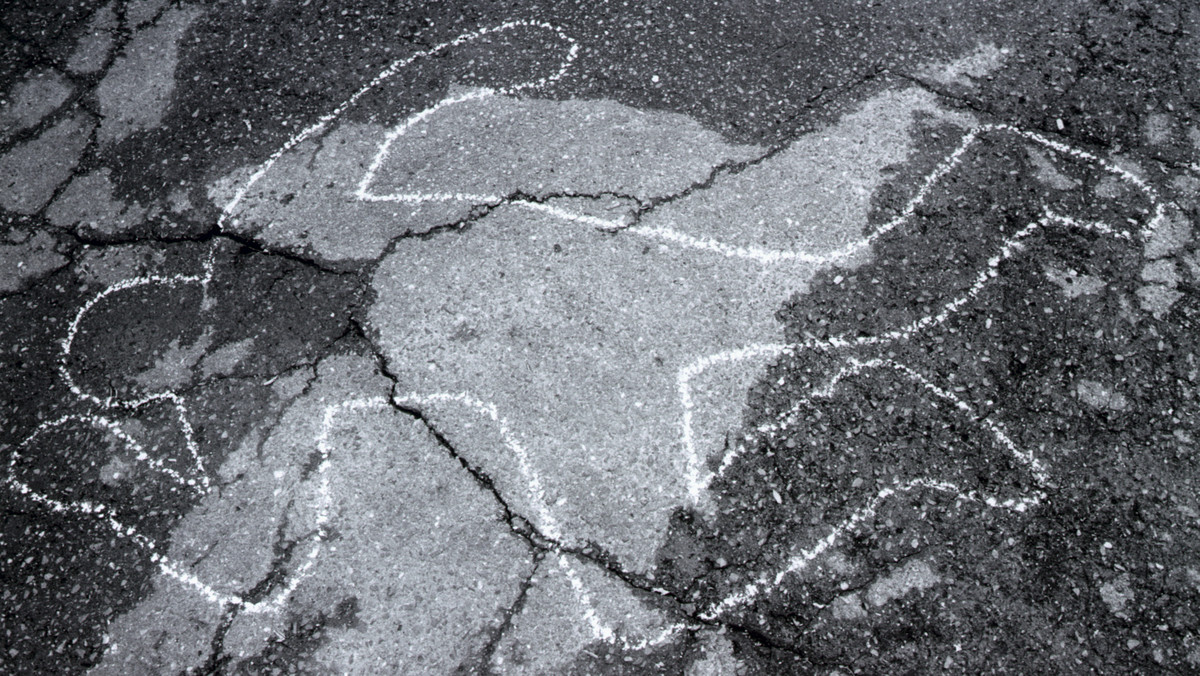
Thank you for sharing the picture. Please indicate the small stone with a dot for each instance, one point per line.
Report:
(1157, 299)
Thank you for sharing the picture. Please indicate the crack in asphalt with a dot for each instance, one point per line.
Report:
(480, 211)
(518, 524)
(216, 660)
(734, 167)
(281, 556)
(212, 235)
(481, 662)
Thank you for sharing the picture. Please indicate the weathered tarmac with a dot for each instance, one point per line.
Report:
(581, 338)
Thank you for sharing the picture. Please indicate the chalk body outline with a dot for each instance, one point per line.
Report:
(698, 479)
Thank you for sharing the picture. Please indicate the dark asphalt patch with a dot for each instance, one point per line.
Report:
(37, 33)
(1104, 69)
(1025, 592)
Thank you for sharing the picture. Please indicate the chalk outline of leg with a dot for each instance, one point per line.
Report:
(799, 562)
(698, 479)
(202, 485)
(1009, 248)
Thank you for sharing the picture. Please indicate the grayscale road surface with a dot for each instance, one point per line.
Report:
(592, 337)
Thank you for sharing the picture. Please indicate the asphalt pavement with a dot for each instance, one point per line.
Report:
(587, 338)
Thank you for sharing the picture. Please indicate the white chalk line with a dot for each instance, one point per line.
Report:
(698, 478)
(1011, 246)
(547, 522)
(321, 124)
(761, 255)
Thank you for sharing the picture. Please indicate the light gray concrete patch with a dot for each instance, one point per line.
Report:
(31, 99)
(493, 146)
(1187, 190)
(1100, 396)
(174, 367)
(1172, 234)
(1193, 265)
(224, 359)
(88, 202)
(965, 71)
(167, 633)
(92, 49)
(578, 336)
(30, 172)
(1157, 299)
(1111, 187)
(422, 547)
(1161, 271)
(1074, 284)
(27, 259)
(307, 199)
(136, 91)
(915, 575)
(848, 607)
(1117, 594)
(717, 656)
(1159, 129)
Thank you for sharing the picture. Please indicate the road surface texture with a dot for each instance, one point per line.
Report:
(600, 337)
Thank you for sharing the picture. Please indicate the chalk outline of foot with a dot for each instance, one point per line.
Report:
(767, 582)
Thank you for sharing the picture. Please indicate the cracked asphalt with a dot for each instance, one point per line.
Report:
(564, 337)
